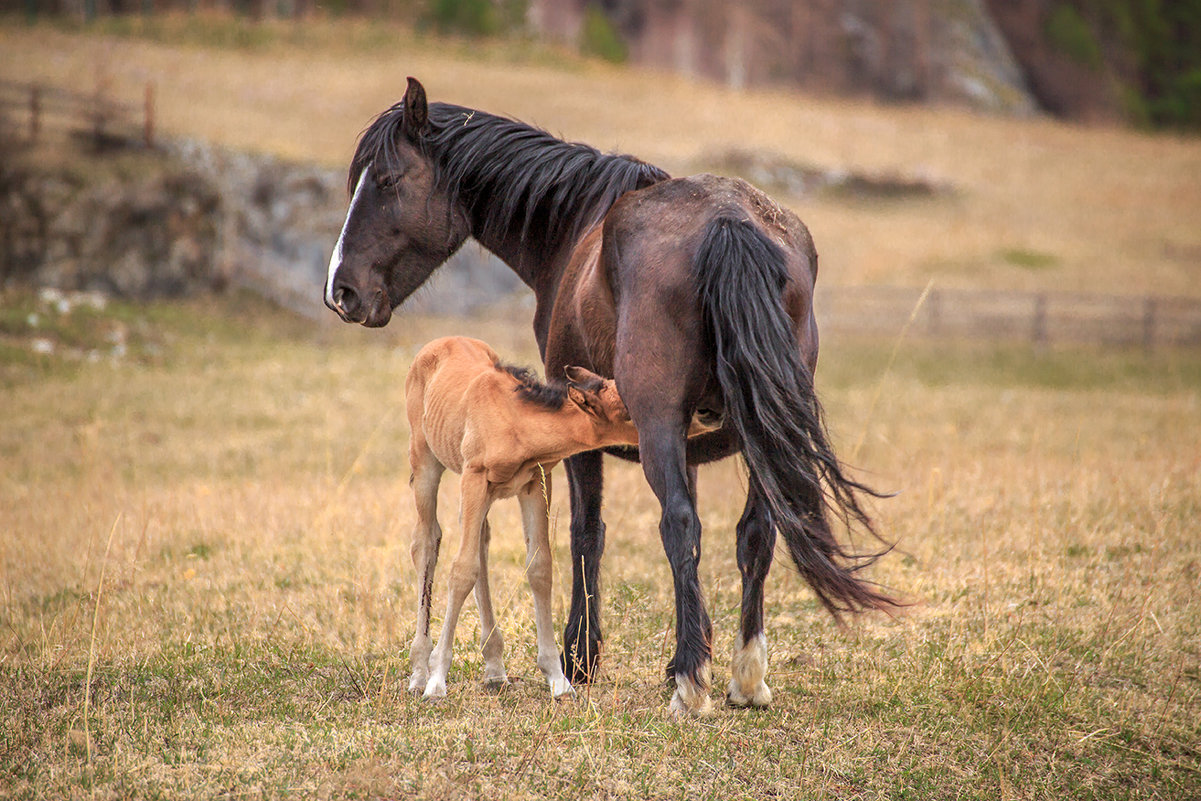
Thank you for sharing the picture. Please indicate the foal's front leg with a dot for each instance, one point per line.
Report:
(463, 575)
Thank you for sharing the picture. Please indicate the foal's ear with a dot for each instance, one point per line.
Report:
(417, 110)
(583, 388)
(583, 377)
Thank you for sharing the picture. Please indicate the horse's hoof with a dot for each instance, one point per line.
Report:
(748, 669)
(759, 699)
(681, 710)
(561, 689)
(417, 684)
(435, 690)
(691, 700)
(581, 669)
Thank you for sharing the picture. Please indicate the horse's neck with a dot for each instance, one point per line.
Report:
(538, 269)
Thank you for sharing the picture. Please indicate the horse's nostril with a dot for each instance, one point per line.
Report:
(346, 299)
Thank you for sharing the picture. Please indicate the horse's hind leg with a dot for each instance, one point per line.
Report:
(662, 452)
(463, 575)
(756, 542)
(427, 538)
(535, 500)
(491, 643)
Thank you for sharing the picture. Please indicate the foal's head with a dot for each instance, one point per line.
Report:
(597, 397)
(401, 223)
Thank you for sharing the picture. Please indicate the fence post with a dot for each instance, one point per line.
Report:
(148, 116)
(1149, 309)
(1039, 330)
(35, 111)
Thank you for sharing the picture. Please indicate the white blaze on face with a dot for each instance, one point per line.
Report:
(336, 259)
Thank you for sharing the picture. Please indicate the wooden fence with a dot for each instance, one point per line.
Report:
(33, 111)
(1041, 318)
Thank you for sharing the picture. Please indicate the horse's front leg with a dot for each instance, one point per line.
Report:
(535, 502)
(582, 634)
(463, 575)
(491, 643)
(662, 451)
(756, 543)
(427, 538)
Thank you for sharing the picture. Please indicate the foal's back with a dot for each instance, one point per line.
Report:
(445, 376)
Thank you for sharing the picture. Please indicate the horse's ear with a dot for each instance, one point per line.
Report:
(417, 111)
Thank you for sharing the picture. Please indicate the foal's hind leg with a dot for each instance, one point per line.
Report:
(535, 500)
(463, 575)
(491, 644)
(427, 537)
(756, 542)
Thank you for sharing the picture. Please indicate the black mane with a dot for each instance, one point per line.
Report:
(549, 395)
(514, 178)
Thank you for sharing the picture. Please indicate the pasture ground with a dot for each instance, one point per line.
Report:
(206, 589)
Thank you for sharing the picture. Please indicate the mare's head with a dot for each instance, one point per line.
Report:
(401, 223)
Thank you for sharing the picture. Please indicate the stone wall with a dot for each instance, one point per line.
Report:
(199, 219)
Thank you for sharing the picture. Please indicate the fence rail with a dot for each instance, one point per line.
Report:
(1039, 317)
(33, 110)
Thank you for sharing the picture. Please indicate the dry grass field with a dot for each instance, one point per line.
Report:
(211, 533)
(205, 588)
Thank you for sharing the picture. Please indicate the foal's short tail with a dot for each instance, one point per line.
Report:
(771, 401)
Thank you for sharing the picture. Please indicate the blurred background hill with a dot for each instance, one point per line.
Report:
(1137, 60)
(963, 144)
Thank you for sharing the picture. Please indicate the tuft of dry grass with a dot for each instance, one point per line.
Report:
(246, 630)
(1103, 209)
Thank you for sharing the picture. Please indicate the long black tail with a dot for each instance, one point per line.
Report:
(771, 401)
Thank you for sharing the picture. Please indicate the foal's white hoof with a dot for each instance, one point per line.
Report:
(417, 684)
(760, 697)
(435, 689)
(561, 689)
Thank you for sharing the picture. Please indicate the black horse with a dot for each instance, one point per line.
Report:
(696, 294)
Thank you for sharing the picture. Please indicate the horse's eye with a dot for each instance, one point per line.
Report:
(387, 182)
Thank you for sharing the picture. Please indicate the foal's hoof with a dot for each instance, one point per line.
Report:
(417, 684)
(494, 684)
(435, 690)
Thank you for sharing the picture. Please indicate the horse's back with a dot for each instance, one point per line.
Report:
(675, 214)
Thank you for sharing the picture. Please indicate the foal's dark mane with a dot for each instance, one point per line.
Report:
(514, 178)
(548, 395)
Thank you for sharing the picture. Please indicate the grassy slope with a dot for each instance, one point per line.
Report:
(251, 630)
(1039, 204)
